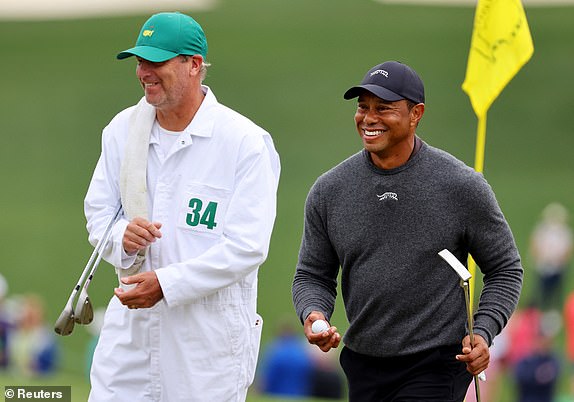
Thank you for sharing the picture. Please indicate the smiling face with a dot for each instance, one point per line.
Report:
(173, 87)
(164, 83)
(387, 128)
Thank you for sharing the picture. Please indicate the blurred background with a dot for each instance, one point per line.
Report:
(285, 65)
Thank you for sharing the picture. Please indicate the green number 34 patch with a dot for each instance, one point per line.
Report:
(201, 216)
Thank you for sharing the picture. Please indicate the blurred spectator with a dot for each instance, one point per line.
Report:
(327, 379)
(292, 367)
(32, 347)
(536, 374)
(522, 331)
(569, 334)
(4, 326)
(551, 247)
(286, 366)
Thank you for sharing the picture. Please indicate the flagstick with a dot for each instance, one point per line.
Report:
(480, 144)
(479, 167)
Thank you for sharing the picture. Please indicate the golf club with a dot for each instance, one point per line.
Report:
(84, 312)
(465, 276)
(65, 323)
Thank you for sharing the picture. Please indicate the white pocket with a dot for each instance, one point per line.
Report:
(203, 209)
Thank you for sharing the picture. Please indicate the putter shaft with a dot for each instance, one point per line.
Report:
(464, 276)
(470, 321)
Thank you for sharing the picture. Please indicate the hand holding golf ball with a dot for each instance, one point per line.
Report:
(319, 332)
(319, 326)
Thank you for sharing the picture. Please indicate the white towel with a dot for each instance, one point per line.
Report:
(133, 173)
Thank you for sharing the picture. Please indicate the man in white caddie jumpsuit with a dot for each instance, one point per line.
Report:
(197, 183)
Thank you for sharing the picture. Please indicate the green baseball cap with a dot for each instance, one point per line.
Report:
(166, 35)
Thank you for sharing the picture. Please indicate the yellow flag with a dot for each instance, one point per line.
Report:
(501, 44)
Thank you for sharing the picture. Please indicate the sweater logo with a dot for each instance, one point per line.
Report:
(388, 196)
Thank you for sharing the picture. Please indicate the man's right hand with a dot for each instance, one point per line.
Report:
(325, 340)
(139, 234)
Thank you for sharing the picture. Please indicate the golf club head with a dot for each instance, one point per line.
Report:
(84, 312)
(65, 323)
(455, 264)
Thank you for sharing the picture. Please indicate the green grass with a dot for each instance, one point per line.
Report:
(80, 388)
(285, 64)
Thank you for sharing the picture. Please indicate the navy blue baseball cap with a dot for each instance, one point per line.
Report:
(391, 81)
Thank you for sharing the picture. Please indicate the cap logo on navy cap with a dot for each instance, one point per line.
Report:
(382, 72)
(391, 81)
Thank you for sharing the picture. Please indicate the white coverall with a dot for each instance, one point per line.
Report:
(215, 194)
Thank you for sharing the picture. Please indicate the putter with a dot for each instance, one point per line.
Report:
(465, 276)
(65, 323)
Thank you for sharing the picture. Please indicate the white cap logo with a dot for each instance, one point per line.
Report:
(382, 72)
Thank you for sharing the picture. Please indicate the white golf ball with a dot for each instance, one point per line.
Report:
(319, 326)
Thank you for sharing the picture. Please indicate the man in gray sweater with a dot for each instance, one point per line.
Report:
(381, 216)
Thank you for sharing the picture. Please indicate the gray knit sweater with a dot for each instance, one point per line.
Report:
(383, 229)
